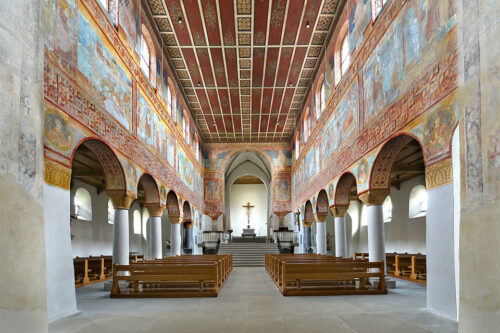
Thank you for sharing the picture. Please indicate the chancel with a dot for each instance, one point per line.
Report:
(242, 154)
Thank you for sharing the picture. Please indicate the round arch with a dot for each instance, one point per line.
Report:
(322, 203)
(151, 190)
(343, 189)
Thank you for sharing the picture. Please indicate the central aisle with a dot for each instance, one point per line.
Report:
(250, 302)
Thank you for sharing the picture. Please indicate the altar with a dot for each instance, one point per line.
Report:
(248, 232)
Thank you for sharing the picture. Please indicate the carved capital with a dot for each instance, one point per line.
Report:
(439, 174)
(339, 211)
(155, 209)
(56, 174)
(281, 215)
(175, 219)
(307, 223)
(320, 217)
(374, 197)
(120, 198)
(188, 223)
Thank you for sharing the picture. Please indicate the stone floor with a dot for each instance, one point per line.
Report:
(250, 302)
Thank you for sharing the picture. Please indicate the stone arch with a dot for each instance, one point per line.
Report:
(243, 162)
(172, 204)
(343, 189)
(151, 190)
(186, 214)
(380, 175)
(322, 202)
(114, 173)
(308, 214)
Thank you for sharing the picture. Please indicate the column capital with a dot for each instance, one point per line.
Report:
(307, 223)
(339, 211)
(188, 223)
(155, 210)
(439, 174)
(281, 215)
(374, 197)
(56, 174)
(320, 217)
(120, 198)
(175, 219)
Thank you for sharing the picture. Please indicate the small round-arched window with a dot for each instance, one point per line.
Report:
(137, 222)
(82, 205)
(145, 217)
(418, 201)
(364, 216)
(387, 209)
(111, 212)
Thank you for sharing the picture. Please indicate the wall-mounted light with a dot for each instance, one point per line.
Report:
(278, 123)
(290, 84)
(307, 24)
(180, 20)
(199, 84)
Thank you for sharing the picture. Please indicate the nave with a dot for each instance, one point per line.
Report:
(250, 302)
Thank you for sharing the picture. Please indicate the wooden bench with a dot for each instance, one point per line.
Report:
(331, 278)
(360, 255)
(89, 270)
(160, 279)
(407, 266)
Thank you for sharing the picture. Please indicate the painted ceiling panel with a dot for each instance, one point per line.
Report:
(244, 60)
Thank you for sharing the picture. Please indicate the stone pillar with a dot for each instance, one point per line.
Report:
(320, 232)
(307, 235)
(188, 236)
(175, 246)
(155, 213)
(374, 199)
(121, 202)
(340, 234)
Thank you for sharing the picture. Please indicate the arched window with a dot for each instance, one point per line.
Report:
(297, 148)
(418, 202)
(307, 129)
(82, 204)
(320, 99)
(197, 147)
(145, 58)
(345, 58)
(377, 6)
(145, 217)
(364, 217)
(137, 222)
(387, 209)
(104, 4)
(111, 212)
(169, 100)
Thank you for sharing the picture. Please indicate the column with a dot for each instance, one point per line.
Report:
(121, 202)
(320, 232)
(155, 213)
(175, 246)
(307, 235)
(188, 236)
(374, 199)
(340, 234)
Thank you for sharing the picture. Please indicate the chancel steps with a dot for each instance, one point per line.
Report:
(248, 254)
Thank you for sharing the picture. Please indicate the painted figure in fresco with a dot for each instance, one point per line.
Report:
(363, 172)
(57, 131)
(211, 193)
(330, 191)
(438, 129)
(283, 190)
(131, 175)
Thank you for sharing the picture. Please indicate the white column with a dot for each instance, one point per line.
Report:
(176, 239)
(321, 237)
(376, 236)
(340, 237)
(155, 237)
(120, 237)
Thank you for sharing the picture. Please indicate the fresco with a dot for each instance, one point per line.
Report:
(131, 177)
(103, 72)
(171, 144)
(310, 164)
(130, 24)
(329, 77)
(283, 189)
(185, 168)
(342, 123)
(60, 18)
(359, 18)
(211, 190)
(383, 72)
(57, 130)
(439, 129)
(145, 121)
(212, 159)
(282, 158)
(362, 172)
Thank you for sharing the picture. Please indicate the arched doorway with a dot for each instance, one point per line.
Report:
(256, 168)
(187, 228)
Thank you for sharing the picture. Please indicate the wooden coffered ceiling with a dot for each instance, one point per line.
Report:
(245, 65)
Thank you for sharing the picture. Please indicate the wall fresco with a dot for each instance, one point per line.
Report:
(104, 75)
(130, 24)
(360, 16)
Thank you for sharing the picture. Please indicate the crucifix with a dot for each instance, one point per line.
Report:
(248, 207)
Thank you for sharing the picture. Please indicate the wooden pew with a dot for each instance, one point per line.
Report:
(407, 266)
(418, 269)
(81, 267)
(160, 279)
(360, 255)
(331, 278)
